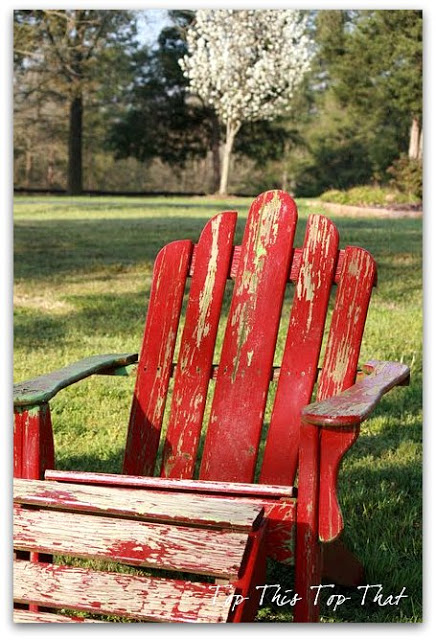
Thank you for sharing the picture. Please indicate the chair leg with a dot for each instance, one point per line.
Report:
(308, 552)
(253, 574)
(341, 566)
(308, 565)
(33, 442)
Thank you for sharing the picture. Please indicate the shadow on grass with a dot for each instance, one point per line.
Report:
(46, 249)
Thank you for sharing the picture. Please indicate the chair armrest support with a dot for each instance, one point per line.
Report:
(41, 389)
(353, 406)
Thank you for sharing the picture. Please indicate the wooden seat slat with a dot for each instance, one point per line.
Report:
(175, 548)
(24, 615)
(139, 597)
(226, 489)
(183, 508)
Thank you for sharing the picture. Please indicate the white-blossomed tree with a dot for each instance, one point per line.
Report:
(247, 65)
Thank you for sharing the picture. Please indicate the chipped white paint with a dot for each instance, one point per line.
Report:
(343, 355)
(205, 298)
(147, 504)
(138, 597)
(306, 286)
(146, 544)
(318, 239)
(263, 230)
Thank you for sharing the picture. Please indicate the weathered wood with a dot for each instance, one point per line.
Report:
(219, 504)
(232, 438)
(41, 389)
(157, 506)
(307, 551)
(197, 347)
(47, 518)
(274, 371)
(338, 373)
(355, 404)
(166, 297)
(278, 501)
(294, 270)
(24, 615)
(186, 508)
(213, 552)
(138, 597)
(225, 489)
(303, 344)
(281, 516)
(33, 442)
(253, 574)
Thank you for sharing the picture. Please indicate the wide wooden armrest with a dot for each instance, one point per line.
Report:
(43, 388)
(355, 404)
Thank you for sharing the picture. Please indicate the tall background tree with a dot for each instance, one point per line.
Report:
(367, 88)
(246, 65)
(71, 58)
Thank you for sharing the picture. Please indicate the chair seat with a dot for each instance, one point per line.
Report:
(182, 535)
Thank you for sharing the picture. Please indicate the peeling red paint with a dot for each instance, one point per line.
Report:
(248, 348)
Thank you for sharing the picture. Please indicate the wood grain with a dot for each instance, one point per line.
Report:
(233, 434)
(175, 548)
(146, 505)
(142, 598)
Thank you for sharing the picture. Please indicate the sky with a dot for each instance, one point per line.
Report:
(150, 24)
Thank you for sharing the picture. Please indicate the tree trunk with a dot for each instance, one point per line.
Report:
(28, 168)
(50, 168)
(216, 160)
(285, 178)
(285, 172)
(414, 140)
(75, 146)
(420, 145)
(231, 131)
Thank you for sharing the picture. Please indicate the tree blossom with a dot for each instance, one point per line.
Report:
(246, 64)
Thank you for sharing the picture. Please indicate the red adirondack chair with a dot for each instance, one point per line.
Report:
(309, 438)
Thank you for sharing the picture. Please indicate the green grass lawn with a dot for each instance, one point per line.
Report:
(82, 277)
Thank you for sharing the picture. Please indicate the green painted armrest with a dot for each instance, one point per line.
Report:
(355, 404)
(42, 388)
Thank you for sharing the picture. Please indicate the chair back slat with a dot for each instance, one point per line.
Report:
(348, 321)
(299, 367)
(339, 372)
(238, 405)
(156, 357)
(193, 372)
